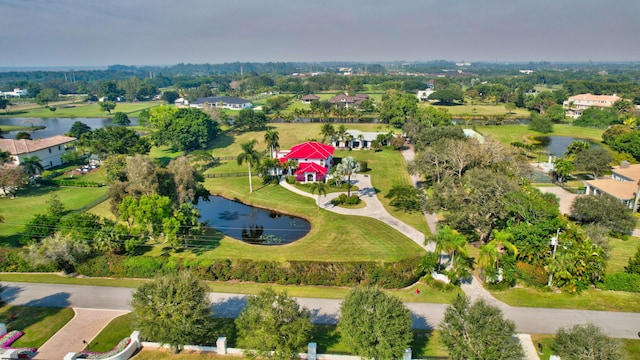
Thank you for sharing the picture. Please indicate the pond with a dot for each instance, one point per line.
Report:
(54, 126)
(251, 224)
(557, 145)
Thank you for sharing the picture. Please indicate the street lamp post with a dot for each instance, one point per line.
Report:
(554, 243)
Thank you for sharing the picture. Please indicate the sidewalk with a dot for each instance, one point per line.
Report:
(85, 325)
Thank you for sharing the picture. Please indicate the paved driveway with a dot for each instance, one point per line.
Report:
(566, 198)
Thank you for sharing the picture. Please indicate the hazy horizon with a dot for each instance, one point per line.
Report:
(77, 33)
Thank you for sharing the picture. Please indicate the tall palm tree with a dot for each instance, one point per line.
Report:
(319, 187)
(495, 250)
(450, 242)
(32, 166)
(272, 138)
(249, 155)
(348, 167)
(327, 131)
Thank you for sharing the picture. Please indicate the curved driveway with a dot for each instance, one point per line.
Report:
(373, 209)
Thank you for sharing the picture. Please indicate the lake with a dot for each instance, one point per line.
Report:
(251, 224)
(557, 145)
(55, 126)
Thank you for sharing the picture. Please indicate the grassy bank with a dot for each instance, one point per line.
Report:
(68, 109)
(38, 323)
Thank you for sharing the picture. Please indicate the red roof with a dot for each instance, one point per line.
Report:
(311, 167)
(310, 150)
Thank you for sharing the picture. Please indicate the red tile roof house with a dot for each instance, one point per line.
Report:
(49, 150)
(314, 160)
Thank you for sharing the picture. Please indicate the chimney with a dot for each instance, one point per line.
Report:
(624, 164)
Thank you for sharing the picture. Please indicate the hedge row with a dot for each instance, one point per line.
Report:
(386, 275)
(621, 282)
(73, 183)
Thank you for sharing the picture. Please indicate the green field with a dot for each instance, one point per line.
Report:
(621, 251)
(38, 323)
(512, 133)
(590, 299)
(32, 201)
(479, 110)
(79, 109)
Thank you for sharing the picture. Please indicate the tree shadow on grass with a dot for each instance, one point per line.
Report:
(222, 141)
(325, 336)
(20, 317)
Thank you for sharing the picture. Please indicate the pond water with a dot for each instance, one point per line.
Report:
(54, 126)
(251, 224)
(557, 145)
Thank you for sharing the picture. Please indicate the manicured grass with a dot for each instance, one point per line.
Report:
(427, 294)
(481, 110)
(118, 329)
(33, 200)
(511, 133)
(388, 168)
(81, 109)
(36, 322)
(632, 347)
(620, 253)
(591, 299)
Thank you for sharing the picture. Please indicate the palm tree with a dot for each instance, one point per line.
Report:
(327, 131)
(272, 138)
(32, 166)
(319, 187)
(249, 155)
(450, 242)
(348, 167)
(495, 250)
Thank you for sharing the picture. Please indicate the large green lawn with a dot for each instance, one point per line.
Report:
(32, 201)
(591, 299)
(621, 251)
(38, 323)
(511, 133)
(478, 110)
(79, 109)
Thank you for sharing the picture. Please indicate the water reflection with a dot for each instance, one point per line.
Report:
(250, 224)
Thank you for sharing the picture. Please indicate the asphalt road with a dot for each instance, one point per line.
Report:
(425, 316)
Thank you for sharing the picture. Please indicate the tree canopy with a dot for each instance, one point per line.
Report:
(173, 309)
(604, 210)
(478, 331)
(375, 325)
(116, 140)
(273, 322)
(586, 342)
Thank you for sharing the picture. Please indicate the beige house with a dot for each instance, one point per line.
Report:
(576, 104)
(623, 184)
(49, 150)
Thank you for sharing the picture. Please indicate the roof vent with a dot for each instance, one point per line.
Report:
(624, 164)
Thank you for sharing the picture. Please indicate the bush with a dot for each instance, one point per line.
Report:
(386, 275)
(341, 199)
(291, 179)
(621, 282)
(532, 275)
(353, 200)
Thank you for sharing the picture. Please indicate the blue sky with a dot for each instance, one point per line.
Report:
(137, 32)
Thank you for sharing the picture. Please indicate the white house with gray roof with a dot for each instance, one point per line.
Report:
(222, 102)
(358, 140)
